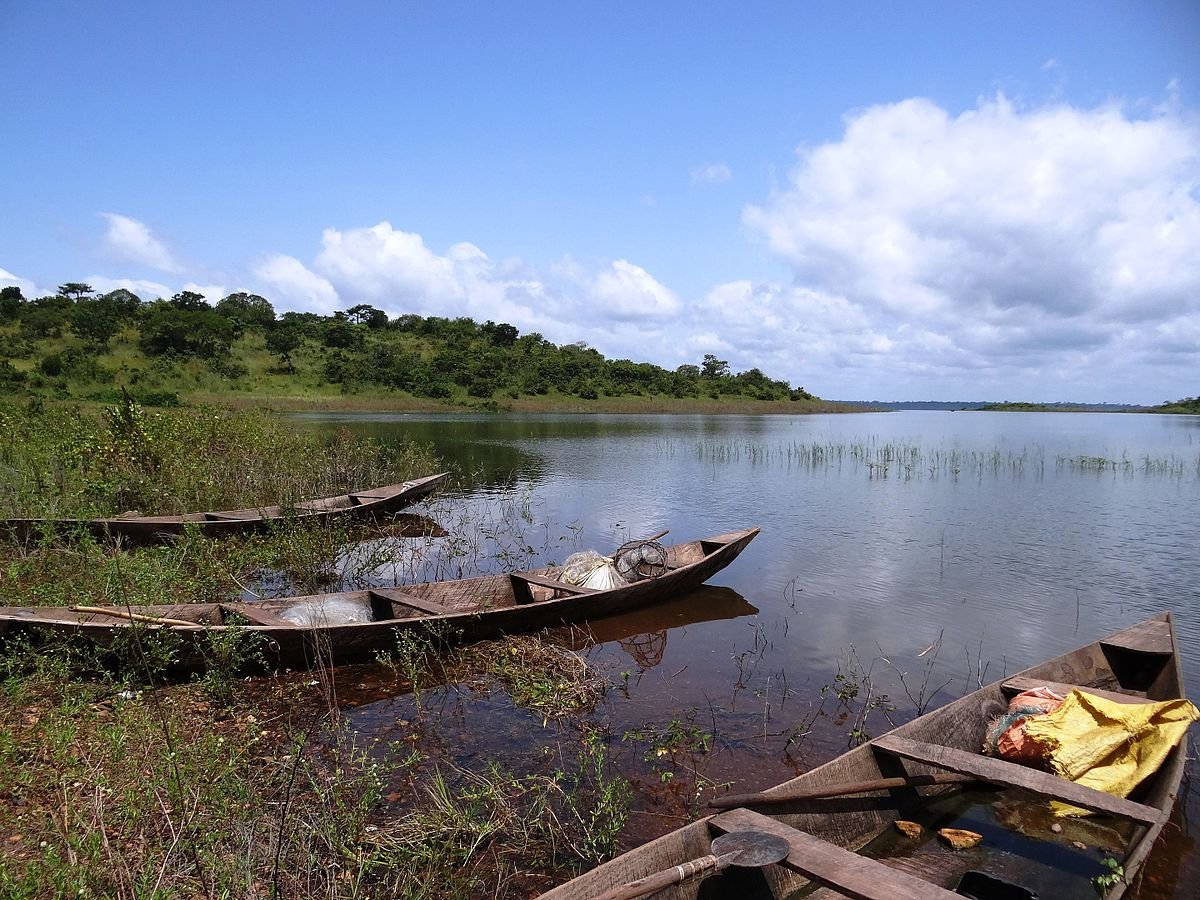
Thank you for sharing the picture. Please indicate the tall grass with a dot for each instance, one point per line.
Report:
(80, 462)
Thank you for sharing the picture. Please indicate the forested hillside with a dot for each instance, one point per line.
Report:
(80, 344)
(1188, 405)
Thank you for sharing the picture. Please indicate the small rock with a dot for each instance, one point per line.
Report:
(960, 838)
(1079, 845)
(909, 829)
(1056, 828)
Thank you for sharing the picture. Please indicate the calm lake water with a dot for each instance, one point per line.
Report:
(1008, 537)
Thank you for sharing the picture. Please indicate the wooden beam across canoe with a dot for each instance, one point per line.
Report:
(999, 771)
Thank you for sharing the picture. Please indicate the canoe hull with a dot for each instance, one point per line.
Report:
(147, 530)
(452, 612)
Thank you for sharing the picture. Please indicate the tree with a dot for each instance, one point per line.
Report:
(95, 321)
(712, 367)
(338, 332)
(125, 303)
(251, 310)
(73, 290)
(11, 301)
(43, 321)
(365, 314)
(190, 301)
(186, 332)
(502, 335)
(283, 341)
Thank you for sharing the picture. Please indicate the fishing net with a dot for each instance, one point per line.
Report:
(590, 569)
(638, 560)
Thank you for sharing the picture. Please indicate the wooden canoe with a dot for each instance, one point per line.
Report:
(299, 631)
(143, 530)
(847, 845)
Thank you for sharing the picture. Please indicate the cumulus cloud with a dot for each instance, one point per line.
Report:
(396, 271)
(293, 285)
(147, 290)
(711, 173)
(1010, 233)
(627, 291)
(29, 290)
(130, 241)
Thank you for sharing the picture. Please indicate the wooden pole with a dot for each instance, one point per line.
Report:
(731, 801)
(134, 617)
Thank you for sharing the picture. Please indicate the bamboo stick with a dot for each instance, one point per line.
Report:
(135, 617)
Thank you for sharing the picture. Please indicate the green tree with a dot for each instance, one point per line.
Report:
(251, 310)
(95, 321)
(11, 301)
(73, 290)
(186, 332)
(190, 301)
(713, 368)
(283, 341)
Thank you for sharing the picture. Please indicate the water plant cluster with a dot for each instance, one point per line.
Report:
(909, 461)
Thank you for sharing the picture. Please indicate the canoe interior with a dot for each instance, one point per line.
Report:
(1136, 664)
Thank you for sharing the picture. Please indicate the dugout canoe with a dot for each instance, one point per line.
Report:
(342, 627)
(143, 530)
(846, 845)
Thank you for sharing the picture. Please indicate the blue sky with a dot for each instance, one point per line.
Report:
(944, 200)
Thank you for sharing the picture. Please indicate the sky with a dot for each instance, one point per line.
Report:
(893, 201)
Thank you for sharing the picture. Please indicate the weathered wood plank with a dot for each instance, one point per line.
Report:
(1147, 637)
(1019, 684)
(999, 771)
(417, 603)
(855, 876)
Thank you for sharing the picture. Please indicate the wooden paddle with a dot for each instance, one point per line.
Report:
(731, 801)
(748, 849)
(132, 616)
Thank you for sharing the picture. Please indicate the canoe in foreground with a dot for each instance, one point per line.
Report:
(1134, 665)
(155, 529)
(355, 624)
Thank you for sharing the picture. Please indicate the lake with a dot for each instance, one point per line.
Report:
(996, 539)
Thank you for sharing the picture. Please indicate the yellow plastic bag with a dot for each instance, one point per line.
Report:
(1106, 745)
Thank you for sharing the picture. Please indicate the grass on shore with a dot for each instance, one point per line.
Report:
(115, 783)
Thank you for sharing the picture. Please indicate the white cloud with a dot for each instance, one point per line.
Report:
(711, 173)
(380, 264)
(1019, 237)
(130, 241)
(29, 290)
(292, 285)
(626, 291)
(147, 290)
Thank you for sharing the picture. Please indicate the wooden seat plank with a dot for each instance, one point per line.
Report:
(1020, 684)
(844, 870)
(1145, 637)
(999, 771)
(417, 603)
(231, 517)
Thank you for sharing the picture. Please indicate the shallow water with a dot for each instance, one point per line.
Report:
(997, 539)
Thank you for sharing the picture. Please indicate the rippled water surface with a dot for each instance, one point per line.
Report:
(1010, 537)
